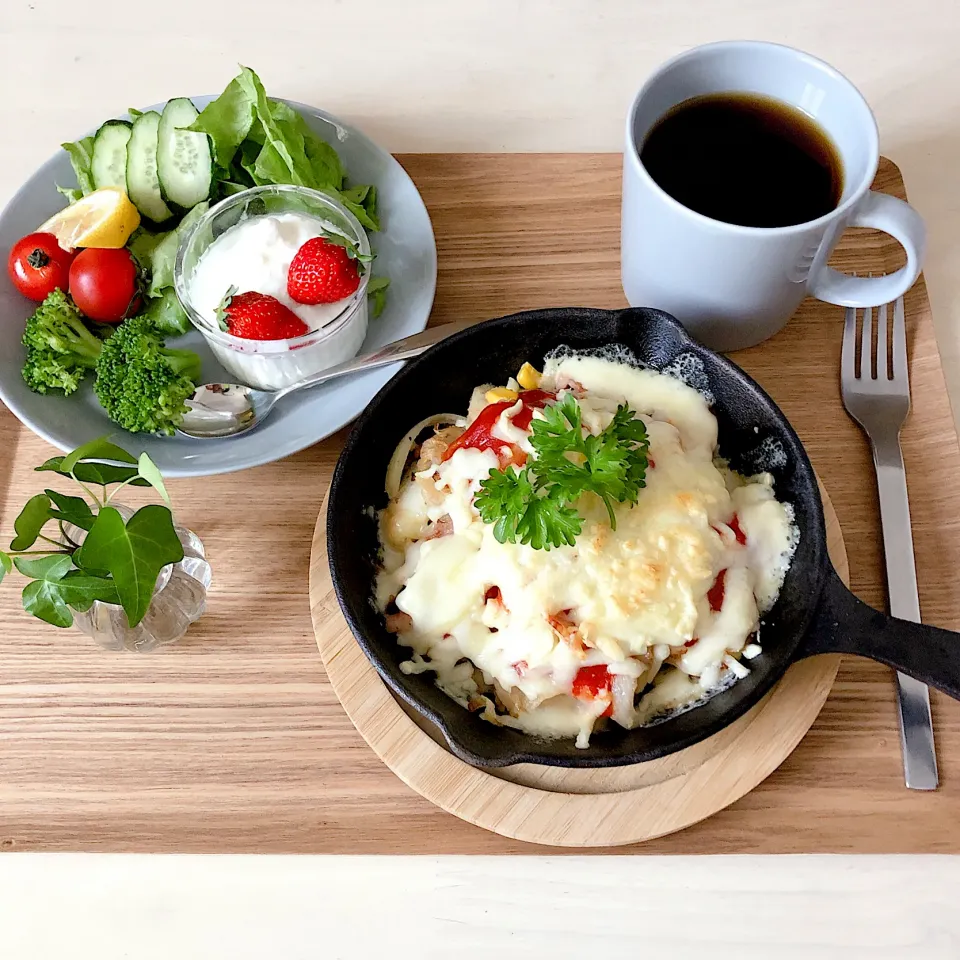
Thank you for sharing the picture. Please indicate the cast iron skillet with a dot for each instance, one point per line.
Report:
(814, 614)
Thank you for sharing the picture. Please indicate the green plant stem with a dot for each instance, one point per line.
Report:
(116, 490)
(39, 553)
(56, 543)
(86, 489)
(72, 543)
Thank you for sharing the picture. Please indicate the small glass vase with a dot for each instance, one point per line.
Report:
(179, 599)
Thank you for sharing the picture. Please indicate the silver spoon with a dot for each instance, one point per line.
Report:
(228, 409)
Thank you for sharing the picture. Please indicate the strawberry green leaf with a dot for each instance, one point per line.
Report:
(33, 517)
(222, 309)
(339, 240)
(133, 553)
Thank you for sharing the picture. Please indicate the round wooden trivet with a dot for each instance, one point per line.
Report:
(562, 807)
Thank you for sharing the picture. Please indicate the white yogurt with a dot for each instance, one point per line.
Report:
(255, 255)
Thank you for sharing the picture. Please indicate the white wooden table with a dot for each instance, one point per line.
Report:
(498, 75)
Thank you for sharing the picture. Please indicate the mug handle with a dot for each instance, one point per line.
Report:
(895, 217)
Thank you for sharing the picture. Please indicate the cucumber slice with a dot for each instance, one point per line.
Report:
(109, 165)
(184, 164)
(143, 186)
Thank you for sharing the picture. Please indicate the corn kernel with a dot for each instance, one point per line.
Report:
(529, 377)
(499, 394)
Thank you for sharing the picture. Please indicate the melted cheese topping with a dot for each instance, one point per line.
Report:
(508, 629)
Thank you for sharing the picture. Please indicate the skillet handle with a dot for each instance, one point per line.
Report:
(843, 623)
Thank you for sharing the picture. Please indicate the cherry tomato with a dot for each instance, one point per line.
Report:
(38, 265)
(738, 531)
(103, 284)
(717, 592)
(591, 682)
(594, 683)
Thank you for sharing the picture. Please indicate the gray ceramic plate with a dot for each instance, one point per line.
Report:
(406, 252)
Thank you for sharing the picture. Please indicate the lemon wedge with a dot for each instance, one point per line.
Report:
(104, 218)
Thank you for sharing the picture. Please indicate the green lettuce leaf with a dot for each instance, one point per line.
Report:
(81, 159)
(361, 201)
(227, 121)
(377, 292)
(157, 252)
(279, 146)
(166, 314)
(318, 161)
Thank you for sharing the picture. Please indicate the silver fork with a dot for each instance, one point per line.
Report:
(880, 403)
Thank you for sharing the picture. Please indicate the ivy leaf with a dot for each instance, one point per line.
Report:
(6, 565)
(73, 510)
(51, 569)
(134, 553)
(32, 519)
(79, 590)
(99, 449)
(151, 473)
(92, 472)
(42, 599)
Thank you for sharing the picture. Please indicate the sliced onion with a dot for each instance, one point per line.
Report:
(623, 688)
(399, 459)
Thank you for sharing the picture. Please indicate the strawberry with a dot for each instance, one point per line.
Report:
(258, 316)
(324, 270)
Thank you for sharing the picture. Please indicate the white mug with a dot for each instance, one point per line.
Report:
(733, 286)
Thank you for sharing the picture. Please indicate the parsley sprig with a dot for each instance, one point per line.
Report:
(535, 505)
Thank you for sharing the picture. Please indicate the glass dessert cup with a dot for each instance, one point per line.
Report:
(273, 364)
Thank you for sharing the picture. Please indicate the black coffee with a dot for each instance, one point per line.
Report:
(744, 159)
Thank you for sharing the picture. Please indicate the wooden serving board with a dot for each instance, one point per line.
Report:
(233, 740)
(563, 807)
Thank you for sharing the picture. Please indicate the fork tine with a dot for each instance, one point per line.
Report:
(899, 340)
(883, 353)
(866, 345)
(849, 351)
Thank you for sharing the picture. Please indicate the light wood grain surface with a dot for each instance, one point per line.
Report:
(233, 741)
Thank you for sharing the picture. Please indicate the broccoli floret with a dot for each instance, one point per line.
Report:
(60, 348)
(140, 383)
